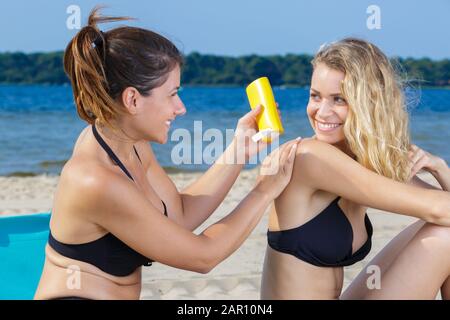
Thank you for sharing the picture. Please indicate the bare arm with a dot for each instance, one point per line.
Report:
(422, 160)
(442, 176)
(203, 196)
(324, 167)
(194, 204)
(125, 212)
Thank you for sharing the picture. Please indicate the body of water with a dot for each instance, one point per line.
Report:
(39, 124)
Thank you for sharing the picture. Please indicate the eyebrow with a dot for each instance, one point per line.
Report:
(331, 95)
(176, 88)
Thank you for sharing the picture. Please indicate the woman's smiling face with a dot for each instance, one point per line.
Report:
(327, 109)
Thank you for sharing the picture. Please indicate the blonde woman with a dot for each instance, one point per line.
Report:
(115, 209)
(359, 157)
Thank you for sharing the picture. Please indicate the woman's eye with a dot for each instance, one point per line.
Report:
(314, 96)
(174, 94)
(340, 100)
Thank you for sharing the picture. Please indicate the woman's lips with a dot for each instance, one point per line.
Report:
(327, 127)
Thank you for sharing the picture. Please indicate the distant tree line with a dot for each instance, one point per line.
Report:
(201, 69)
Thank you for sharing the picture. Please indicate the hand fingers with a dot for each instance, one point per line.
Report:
(417, 156)
(413, 149)
(261, 144)
(287, 151)
(282, 151)
(252, 113)
(293, 148)
(278, 110)
(417, 166)
(277, 155)
(289, 165)
(291, 158)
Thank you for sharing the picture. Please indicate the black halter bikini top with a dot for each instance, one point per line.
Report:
(108, 253)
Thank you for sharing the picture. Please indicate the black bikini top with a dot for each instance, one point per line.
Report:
(324, 241)
(108, 253)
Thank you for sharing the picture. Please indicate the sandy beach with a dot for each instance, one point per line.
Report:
(238, 277)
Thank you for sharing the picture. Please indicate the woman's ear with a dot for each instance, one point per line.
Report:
(129, 97)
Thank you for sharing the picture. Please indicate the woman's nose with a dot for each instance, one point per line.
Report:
(181, 109)
(325, 108)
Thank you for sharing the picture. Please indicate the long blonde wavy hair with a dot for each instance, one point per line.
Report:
(377, 126)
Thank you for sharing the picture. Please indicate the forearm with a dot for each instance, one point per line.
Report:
(442, 175)
(201, 198)
(225, 236)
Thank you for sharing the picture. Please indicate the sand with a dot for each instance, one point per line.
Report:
(238, 277)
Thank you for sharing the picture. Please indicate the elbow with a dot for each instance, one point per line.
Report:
(199, 264)
(206, 266)
(208, 257)
(205, 269)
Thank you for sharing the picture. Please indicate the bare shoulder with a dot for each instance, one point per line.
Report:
(80, 171)
(312, 155)
(87, 181)
(299, 191)
(314, 146)
(78, 199)
(80, 139)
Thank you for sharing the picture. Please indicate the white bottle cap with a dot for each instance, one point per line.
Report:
(264, 134)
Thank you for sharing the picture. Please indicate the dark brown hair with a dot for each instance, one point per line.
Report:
(101, 65)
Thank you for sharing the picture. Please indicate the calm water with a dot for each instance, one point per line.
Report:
(39, 124)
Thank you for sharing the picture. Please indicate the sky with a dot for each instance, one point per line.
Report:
(405, 28)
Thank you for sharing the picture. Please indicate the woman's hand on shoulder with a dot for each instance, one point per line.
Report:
(276, 169)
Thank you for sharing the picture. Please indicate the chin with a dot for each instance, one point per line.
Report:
(160, 138)
(163, 140)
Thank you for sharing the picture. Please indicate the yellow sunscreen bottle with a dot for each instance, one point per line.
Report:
(259, 92)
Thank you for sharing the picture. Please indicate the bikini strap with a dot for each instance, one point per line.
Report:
(137, 154)
(110, 152)
(165, 209)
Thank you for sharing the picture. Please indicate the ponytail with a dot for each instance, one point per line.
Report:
(101, 65)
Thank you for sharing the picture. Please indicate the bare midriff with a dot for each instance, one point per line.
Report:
(65, 277)
(286, 277)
